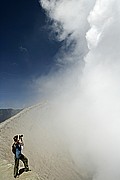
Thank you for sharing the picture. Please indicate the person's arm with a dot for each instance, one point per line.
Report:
(21, 142)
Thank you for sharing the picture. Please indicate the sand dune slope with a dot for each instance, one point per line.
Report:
(6, 172)
(48, 155)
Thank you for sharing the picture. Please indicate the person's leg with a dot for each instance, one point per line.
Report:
(25, 161)
(16, 167)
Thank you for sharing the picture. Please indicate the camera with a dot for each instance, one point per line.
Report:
(20, 136)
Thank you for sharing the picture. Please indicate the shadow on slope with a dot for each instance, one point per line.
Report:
(8, 113)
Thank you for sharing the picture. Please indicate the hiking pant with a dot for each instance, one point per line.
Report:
(16, 166)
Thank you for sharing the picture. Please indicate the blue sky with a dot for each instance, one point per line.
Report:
(26, 50)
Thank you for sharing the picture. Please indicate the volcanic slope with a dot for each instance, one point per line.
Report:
(48, 155)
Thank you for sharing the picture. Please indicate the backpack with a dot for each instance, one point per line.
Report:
(14, 148)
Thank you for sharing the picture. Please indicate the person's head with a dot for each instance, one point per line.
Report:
(16, 138)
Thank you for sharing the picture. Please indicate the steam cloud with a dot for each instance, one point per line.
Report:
(86, 92)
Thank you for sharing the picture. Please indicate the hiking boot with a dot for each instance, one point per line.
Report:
(15, 176)
(26, 169)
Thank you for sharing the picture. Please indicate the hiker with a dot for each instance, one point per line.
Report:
(16, 149)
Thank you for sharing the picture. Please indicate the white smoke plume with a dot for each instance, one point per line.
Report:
(87, 98)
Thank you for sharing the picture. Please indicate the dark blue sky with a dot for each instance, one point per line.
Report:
(26, 51)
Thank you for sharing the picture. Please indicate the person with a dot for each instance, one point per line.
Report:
(16, 149)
